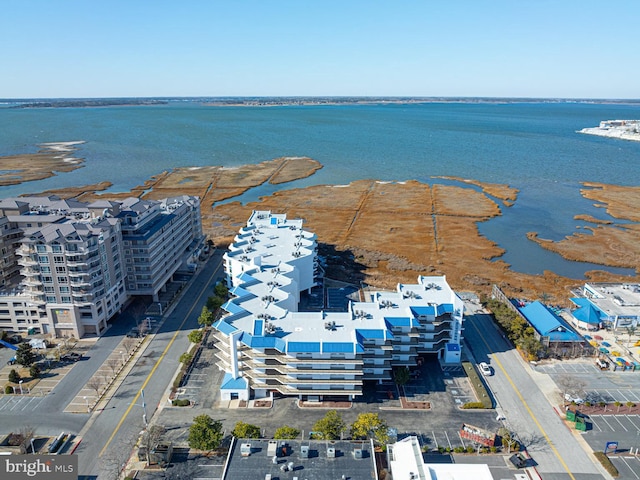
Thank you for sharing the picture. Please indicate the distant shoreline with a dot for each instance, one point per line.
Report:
(288, 101)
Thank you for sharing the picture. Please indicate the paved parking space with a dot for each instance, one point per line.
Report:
(614, 423)
(611, 395)
(628, 466)
(19, 403)
(567, 367)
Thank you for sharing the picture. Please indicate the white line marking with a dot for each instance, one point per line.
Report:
(618, 420)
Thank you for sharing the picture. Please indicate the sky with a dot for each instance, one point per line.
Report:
(449, 48)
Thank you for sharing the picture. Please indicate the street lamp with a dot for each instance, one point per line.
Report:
(144, 408)
(123, 359)
(86, 401)
(160, 307)
(33, 450)
(20, 383)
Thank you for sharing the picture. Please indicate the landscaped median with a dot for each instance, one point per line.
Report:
(479, 388)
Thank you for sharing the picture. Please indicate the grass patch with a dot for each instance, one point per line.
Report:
(606, 463)
(478, 386)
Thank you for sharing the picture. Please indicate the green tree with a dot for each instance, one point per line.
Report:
(14, 376)
(330, 427)
(401, 376)
(214, 303)
(246, 430)
(206, 317)
(34, 371)
(205, 433)
(286, 433)
(185, 358)
(221, 290)
(25, 355)
(370, 425)
(195, 336)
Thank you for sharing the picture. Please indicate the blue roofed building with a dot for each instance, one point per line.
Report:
(263, 339)
(550, 328)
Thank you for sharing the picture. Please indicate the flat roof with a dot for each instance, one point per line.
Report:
(319, 466)
(615, 299)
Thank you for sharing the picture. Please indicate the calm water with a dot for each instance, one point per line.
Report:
(531, 146)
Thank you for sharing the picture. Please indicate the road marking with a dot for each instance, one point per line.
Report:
(460, 437)
(629, 418)
(624, 397)
(618, 420)
(594, 423)
(608, 424)
(448, 441)
(434, 438)
(633, 470)
(526, 405)
(157, 364)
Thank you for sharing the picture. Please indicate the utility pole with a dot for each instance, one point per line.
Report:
(144, 408)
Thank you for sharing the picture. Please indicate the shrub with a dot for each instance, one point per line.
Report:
(185, 358)
(459, 449)
(477, 385)
(606, 463)
(8, 389)
(34, 371)
(195, 336)
(181, 402)
(14, 376)
(493, 449)
(469, 405)
(470, 449)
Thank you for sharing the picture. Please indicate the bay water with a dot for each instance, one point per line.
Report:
(533, 147)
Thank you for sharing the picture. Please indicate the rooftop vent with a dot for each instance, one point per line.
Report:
(331, 452)
(357, 453)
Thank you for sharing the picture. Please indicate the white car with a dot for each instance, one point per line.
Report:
(573, 399)
(485, 369)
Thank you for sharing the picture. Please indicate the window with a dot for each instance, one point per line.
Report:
(47, 279)
(64, 289)
(63, 279)
(45, 269)
(49, 290)
(61, 269)
(41, 249)
(43, 259)
(58, 259)
(66, 299)
(51, 299)
(57, 248)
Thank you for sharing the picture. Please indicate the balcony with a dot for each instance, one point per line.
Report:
(27, 261)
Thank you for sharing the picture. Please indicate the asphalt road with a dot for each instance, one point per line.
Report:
(557, 452)
(109, 435)
(113, 432)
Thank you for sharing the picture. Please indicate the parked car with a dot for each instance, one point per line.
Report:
(71, 357)
(602, 364)
(573, 399)
(486, 369)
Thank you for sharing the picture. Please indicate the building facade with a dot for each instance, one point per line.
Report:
(71, 266)
(264, 344)
(615, 306)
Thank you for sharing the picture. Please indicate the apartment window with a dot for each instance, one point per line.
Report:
(41, 249)
(43, 259)
(66, 299)
(49, 290)
(45, 269)
(57, 248)
(64, 289)
(63, 279)
(61, 269)
(58, 259)
(47, 279)
(51, 299)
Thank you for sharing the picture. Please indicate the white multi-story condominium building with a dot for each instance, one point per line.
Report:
(79, 265)
(264, 344)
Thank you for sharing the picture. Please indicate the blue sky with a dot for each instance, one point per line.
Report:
(512, 48)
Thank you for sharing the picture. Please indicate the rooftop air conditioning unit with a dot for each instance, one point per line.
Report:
(331, 452)
(304, 451)
(357, 453)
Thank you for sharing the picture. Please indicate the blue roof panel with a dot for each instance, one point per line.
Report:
(337, 347)
(230, 383)
(547, 324)
(422, 311)
(303, 347)
(257, 327)
(224, 327)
